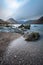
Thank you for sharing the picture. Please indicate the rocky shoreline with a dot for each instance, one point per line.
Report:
(5, 39)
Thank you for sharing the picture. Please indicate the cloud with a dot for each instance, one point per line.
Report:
(10, 7)
(15, 3)
(5, 14)
(12, 4)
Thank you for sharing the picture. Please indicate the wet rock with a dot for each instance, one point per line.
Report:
(24, 26)
(31, 36)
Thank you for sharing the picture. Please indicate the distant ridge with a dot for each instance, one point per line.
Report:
(38, 21)
(11, 20)
(3, 22)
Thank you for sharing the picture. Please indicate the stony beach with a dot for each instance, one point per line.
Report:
(15, 50)
(5, 39)
(21, 52)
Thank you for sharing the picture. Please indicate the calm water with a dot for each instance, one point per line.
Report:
(34, 27)
(37, 27)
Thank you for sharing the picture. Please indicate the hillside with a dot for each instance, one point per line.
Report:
(3, 22)
(11, 20)
(38, 21)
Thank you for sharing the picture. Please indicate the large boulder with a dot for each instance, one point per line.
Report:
(24, 26)
(31, 36)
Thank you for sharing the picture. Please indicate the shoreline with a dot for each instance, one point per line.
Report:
(5, 39)
(21, 52)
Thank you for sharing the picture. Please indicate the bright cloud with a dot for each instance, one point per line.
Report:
(15, 3)
(10, 7)
(6, 13)
(21, 8)
(12, 4)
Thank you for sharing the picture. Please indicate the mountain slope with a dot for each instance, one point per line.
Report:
(38, 21)
(11, 20)
(3, 22)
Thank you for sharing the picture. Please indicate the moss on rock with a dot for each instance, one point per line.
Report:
(32, 36)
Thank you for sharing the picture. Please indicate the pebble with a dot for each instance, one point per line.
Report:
(15, 56)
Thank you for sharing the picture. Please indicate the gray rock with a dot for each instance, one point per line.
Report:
(31, 36)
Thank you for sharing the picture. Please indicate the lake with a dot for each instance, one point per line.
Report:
(34, 27)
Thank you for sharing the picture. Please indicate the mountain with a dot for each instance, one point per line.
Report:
(20, 22)
(3, 22)
(38, 21)
(29, 22)
(11, 20)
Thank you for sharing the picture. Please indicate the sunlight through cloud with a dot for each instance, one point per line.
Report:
(11, 6)
(15, 3)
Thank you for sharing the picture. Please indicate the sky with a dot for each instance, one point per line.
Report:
(21, 9)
